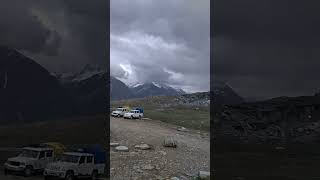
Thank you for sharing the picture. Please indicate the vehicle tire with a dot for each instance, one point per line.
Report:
(94, 175)
(6, 172)
(28, 171)
(132, 117)
(69, 176)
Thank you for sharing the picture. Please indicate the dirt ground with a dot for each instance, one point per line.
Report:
(191, 155)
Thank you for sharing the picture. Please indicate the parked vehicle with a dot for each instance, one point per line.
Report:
(134, 114)
(30, 160)
(119, 112)
(87, 162)
(57, 147)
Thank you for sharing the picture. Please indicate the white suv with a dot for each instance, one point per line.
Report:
(30, 160)
(133, 114)
(119, 112)
(74, 164)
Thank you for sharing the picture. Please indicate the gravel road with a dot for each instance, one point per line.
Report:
(191, 155)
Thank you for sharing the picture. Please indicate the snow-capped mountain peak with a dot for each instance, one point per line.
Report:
(137, 85)
(87, 72)
(156, 84)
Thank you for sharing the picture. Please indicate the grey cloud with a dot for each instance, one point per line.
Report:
(22, 30)
(155, 37)
(61, 35)
(267, 49)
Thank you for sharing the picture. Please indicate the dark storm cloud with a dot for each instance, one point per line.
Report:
(22, 30)
(62, 35)
(166, 41)
(267, 48)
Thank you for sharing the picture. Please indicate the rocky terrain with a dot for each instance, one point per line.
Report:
(137, 151)
(276, 121)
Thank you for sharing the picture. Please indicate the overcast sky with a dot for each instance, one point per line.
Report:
(267, 48)
(61, 35)
(164, 41)
(260, 48)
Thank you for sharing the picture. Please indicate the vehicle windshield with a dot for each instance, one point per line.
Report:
(69, 158)
(133, 111)
(119, 109)
(29, 153)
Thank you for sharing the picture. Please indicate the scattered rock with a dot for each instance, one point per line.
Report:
(114, 144)
(184, 178)
(143, 146)
(170, 142)
(163, 153)
(174, 178)
(188, 174)
(148, 167)
(183, 129)
(204, 174)
(122, 148)
(280, 148)
(300, 130)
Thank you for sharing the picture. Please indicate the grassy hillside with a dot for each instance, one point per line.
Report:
(165, 109)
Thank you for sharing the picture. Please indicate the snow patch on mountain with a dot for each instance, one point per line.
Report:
(157, 85)
(87, 75)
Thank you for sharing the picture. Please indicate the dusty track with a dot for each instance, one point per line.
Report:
(185, 161)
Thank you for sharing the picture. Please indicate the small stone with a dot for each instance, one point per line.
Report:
(114, 144)
(280, 148)
(163, 153)
(122, 148)
(204, 174)
(148, 167)
(143, 146)
(174, 178)
(170, 142)
(183, 129)
(300, 130)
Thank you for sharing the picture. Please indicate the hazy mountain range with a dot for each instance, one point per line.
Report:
(30, 92)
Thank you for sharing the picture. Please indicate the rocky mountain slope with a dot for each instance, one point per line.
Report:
(280, 120)
(120, 90)
(88, 88)
(154, 89)
(224, 94)
(28, 91)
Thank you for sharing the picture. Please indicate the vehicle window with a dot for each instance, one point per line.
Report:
(49, 154)
(89, 159)
(29, 154)
(82, 160)
(69, 158)
(41, 155)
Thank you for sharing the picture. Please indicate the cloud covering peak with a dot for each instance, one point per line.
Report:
(163, 41)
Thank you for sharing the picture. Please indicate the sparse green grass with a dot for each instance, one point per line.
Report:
(186, 116)
(76, 130)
